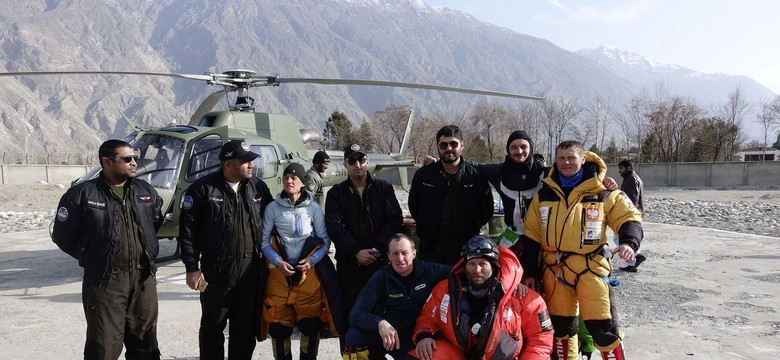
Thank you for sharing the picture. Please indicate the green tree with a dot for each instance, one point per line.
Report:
(650, 149)
(364, 136)
(477, 150)
(776, 145)
(338, 131)
(612, 153)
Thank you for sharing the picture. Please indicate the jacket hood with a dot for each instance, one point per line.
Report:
(510, 273)
(594, 172)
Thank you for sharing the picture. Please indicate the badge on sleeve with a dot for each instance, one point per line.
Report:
(62, 214)
(544, 320)
(186, 202)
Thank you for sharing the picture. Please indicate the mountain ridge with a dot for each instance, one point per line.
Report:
(399, 40)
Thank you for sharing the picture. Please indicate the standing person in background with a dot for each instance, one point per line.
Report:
(633, 187)
(362, 214)
(294, 241)
(449, 200)
(314, 176)
(109, 224)
(221, 223)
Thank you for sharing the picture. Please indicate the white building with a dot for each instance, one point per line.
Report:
(768, 154)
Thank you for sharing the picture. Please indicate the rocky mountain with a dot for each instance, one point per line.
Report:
(707, 89)
(65, 117)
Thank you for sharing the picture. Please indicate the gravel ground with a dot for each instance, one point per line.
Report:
(752, 211)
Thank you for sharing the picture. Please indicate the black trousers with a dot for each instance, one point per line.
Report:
(122, 313)
(231, 296)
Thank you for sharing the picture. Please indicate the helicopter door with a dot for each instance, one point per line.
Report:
(204, 154)
(267, 164)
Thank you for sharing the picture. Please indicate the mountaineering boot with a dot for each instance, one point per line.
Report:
(354, 353)
(614, 354)
(560, 349)
(310, 344)
(281, 349)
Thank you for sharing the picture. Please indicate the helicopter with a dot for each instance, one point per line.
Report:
(174, 156)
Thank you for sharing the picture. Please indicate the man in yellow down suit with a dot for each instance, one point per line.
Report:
(567, 221)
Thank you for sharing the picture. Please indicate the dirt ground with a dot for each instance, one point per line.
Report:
(702, 294)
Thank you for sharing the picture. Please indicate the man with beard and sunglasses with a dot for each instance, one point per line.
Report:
(109, 224)
(449, 200)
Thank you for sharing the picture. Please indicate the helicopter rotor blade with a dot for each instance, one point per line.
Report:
(206, 77)
(282, 80)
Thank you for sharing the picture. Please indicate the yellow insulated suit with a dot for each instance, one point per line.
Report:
(571, 231)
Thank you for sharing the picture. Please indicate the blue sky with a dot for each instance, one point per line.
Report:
(718, 36)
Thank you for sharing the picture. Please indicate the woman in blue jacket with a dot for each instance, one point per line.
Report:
(293, 292)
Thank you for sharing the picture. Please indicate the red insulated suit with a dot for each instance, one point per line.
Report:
(521, 328)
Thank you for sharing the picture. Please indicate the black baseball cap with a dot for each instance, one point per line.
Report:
(237, 149)
(352, 150)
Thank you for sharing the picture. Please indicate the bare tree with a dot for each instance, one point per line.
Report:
(634, 121)
(733, 112)
(390, 122)
(490, 122)
(769, 118)
(596, 121)
(672, 123)
(557, 113)
(423, 137)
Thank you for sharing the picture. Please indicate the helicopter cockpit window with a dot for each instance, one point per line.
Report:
(266, 165)
(205, 157)
(160, 159)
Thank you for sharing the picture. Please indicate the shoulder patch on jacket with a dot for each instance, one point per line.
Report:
(144, 198)
(62, 214)
(444, 308)
(186, 202)
(544, 320)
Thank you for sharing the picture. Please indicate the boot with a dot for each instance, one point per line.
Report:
(560, 349)
(310, 345)
(281, 349)
(614, 354)
(354, 353)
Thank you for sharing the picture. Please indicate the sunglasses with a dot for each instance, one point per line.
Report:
(129, 158)
(353, 161)
(453, 144)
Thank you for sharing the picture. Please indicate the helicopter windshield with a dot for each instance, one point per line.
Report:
(160, 159)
